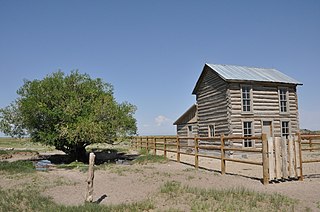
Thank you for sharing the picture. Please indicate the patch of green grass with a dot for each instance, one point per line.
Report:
(145, 159)
(4, 152)
(143, 151)
(238, 199)
(30, 200)
(23, 143)
(17, 167)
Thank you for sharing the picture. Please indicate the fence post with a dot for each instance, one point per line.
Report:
(136, 143)
(284, 154)
(300, 157)
(154, 145)
(265, 161)
(140, 142)
(147, 144)
(165, 147)
(89, 193)
(223, 162)
(196, 149)
(178, 149)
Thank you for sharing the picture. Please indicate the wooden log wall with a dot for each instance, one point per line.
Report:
(265, 107)
(212, 104)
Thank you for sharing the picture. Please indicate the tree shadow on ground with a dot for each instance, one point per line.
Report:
(102, 156)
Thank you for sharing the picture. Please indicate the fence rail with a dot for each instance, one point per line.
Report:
(310, 143)
(279, 158)
(221, 148)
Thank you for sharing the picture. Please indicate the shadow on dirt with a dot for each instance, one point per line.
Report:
(102, 156)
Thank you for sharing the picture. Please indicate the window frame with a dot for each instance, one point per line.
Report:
(250, 99)
(245, 142)
(286, 101)
(211, 130)
(288, 127)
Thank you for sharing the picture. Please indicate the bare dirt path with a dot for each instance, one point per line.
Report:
(133, 183)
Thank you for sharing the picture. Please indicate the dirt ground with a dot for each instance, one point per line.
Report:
(132, 183)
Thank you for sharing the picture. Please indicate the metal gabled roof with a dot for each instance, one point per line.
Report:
(190, 116)
(243, 73)
(231, 73)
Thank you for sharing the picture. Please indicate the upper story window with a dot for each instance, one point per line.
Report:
(211, 132)
(246, 98)
(283, 100)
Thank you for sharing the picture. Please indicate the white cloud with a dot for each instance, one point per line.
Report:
(162, 120)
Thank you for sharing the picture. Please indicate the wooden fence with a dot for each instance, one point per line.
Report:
(310, 149)
(279, 158)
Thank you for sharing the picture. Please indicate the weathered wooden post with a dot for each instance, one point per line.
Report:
(277, 151)
(89, 194)
(178, 149)
(155, 146)
(265, 161)
(223, 162)
(284, 154)
(300, 157)
(196, 155)
(140, 142)
(147, 144)
(165, 147)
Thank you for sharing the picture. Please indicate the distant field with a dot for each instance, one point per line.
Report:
(22, 144)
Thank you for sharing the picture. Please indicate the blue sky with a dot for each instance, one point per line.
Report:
(153, 51)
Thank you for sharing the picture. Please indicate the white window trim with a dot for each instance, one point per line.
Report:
(209, 130)
(252, 131)
(289, 126)
(287, 100)
(251, 99)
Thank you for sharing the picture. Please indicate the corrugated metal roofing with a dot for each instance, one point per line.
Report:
(243, 73)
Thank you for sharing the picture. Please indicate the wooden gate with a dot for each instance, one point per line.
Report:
(284, 157)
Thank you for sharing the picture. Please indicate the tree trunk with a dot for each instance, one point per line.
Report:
(79, 153)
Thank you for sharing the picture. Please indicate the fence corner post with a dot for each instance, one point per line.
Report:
(223, 162)
(265, 161)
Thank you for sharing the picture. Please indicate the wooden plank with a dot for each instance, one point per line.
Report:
(265, 161)
(291, 156)
(223, 162)
(271, 159)
(196, 157)
(244, 161)
(178, 150)
(284, 156)
(296, 158)
(277, 151)
(165, 147)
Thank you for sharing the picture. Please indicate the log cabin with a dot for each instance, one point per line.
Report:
(239, 100)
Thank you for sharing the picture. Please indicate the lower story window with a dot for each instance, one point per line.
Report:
(285, 129)
(211, 132)
(247, 132)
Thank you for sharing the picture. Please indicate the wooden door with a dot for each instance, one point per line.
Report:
(267, 128)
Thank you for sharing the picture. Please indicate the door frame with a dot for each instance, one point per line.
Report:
(272, 126)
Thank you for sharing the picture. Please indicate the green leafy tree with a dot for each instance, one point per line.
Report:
(69, 112)
(11, 121)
